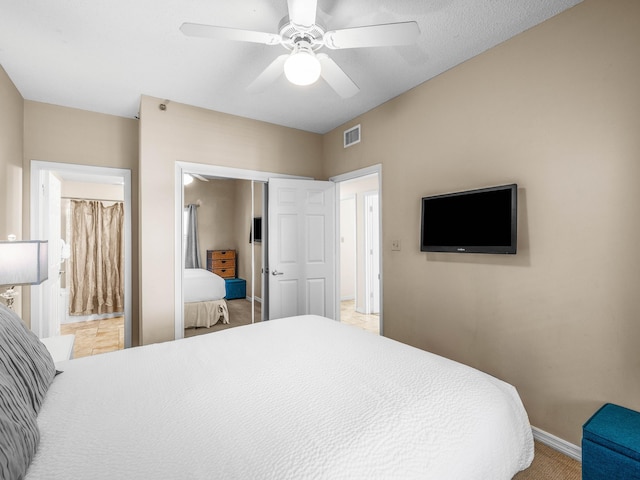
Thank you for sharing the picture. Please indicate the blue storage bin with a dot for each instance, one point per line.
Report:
(611, 444)
(236, 288)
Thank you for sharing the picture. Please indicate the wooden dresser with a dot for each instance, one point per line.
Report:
(222, 262)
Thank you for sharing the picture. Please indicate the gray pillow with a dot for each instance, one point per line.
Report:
(25, 359)
(19, 434)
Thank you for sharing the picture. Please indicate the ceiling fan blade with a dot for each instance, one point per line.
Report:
(268, 75)
(302, 12)
(388, 34)
(336, 77)
(199, 177)
(226, 33)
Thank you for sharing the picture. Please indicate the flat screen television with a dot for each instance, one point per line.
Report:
(474, 221)
(256, 230)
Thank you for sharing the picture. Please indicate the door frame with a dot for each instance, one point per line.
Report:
(36, 210)
(181, 168)
(51, 198)
(362, 172)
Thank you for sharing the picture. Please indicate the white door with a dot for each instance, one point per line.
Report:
(301, 248)
(372, 251)
(48, 321)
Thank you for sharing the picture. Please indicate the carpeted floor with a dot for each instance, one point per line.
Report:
(239, 314)
(548, 464)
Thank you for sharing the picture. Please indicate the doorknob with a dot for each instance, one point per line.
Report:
(276, 272)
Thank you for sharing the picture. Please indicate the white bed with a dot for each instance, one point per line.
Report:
(301, 397)
(204, 303)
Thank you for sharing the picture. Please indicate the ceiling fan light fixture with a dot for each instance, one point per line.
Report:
(302, 67)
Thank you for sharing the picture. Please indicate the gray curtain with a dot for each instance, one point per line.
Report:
(192, 249)
(96, 280)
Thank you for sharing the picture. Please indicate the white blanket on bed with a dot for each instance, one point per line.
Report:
(202, 285)
(302, 397)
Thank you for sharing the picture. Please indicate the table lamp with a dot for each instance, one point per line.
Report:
(22, 263)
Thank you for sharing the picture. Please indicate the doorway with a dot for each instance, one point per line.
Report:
(360, 280)
(48, 301)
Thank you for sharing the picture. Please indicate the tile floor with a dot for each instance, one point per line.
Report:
(99, 336)
(348, 314)
(96, 336)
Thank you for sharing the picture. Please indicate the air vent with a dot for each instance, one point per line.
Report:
(352, 136)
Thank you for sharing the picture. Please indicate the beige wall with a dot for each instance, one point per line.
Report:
(92, 191)
(67, 135)
(216, 214)
(244, 223)
(557, 110)
(185, 133)
(11, 145)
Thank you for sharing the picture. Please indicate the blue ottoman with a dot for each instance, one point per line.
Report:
(611, 444)
(236, 288)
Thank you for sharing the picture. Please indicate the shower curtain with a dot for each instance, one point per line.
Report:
(96, 283)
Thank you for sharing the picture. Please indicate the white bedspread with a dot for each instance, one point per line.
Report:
(202, 285)
(295, 398)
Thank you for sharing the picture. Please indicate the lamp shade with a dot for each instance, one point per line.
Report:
(24, 262)
(302, 67)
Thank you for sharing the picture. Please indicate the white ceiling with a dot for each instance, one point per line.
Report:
(101, 55)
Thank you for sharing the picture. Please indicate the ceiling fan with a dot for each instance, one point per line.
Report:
(300, 33)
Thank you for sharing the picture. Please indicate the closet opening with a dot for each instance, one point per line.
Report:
(246, 195)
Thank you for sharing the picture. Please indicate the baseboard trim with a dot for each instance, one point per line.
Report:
(562, 446)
